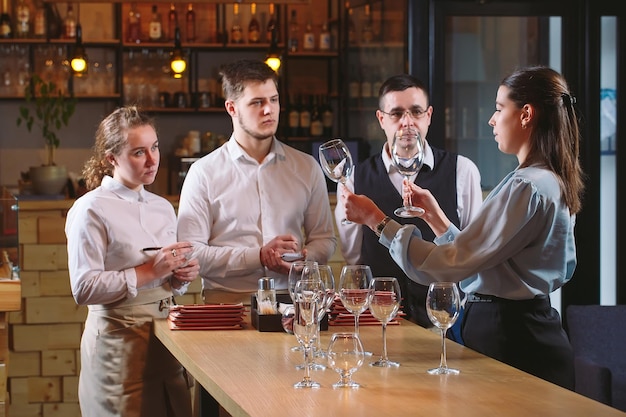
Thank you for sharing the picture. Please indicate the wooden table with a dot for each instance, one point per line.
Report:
(252, 373)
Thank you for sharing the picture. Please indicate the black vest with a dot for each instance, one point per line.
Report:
(372, 180)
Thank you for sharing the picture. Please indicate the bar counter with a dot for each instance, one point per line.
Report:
(252, 373)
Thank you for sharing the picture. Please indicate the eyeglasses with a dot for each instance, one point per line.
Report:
(396, 115)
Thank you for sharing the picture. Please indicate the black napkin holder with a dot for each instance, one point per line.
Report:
(273, 322)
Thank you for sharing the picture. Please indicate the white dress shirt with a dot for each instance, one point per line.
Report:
(106, 230)
(231, 205)
(469, 199)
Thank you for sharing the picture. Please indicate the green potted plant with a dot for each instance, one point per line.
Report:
(49, 109)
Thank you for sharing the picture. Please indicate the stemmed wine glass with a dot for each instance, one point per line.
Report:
(328, 279)
(345, 356)
(443, 302)
(354, 290)
(407, 154)
(384, 305)
(336, 162)
(295, 274)
(305, 321)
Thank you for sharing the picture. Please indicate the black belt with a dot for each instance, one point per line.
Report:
(484, 298)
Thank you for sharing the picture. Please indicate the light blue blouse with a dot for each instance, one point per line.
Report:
(520, 244)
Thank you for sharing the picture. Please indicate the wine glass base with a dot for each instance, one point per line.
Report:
(350, 384)
(444, 371)
(307, 384)
(409, 212)
(385, 363)
(313, 366)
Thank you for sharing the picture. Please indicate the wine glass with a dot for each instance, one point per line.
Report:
(384, 305)
(407, 154)
(306, 299)
(336, 162)
(443, 302)
(328, 279)
(312, 284)
(354, 290)
(295, 274)
(345, 356)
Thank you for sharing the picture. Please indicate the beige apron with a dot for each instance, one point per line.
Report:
(125, 370)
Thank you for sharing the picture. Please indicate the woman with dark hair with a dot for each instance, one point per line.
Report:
(520, 246)
(125, 265)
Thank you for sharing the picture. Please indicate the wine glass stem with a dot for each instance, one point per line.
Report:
(356, 324)
(384, 355)
(307, 365)
(409, 202)
(443, 364)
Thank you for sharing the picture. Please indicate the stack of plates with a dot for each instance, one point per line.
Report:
(207, 317)
(339, 316)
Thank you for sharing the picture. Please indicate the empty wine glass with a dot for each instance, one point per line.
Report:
(305, 327)
(443, 302)
(336, 162)
(328, 279)
(295, 275)
(384, 305)
(407, 154)
(354, 290)
(312, 284)
(345, 356)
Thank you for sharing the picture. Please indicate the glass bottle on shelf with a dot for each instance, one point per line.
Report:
(294, 32)
(39, 21)
(317, 125)
(134, 25)
(190, 24)
(254, 29)
(305, 116)
(351, 28)
(326, 41)
(6, 28)
(328, 117)
(155, 28)
(172, 22)
(272, 24)
(367, 33)
(293, 118)
(54, 23)
(308, 38)
(22, 20)
(236, 32)
(69, 23)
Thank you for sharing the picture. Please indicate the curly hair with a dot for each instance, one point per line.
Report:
(111, 137)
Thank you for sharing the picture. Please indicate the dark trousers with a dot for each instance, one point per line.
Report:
(526, 334)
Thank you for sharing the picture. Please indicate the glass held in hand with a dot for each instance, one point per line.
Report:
(384, 306)
(407, 154)
(336, 162)
(443, 302)
(345, 356)
(305, 329)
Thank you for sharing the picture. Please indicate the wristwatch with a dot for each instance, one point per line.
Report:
(380, 226)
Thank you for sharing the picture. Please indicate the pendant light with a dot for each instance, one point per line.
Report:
(78, 62)
(177, 61)
(273, 58)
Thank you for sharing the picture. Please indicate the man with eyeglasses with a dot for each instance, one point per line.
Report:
(453, 179)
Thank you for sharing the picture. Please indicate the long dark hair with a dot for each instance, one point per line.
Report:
(555, 135)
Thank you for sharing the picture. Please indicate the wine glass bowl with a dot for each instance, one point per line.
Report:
(443, 302)
(345, 356)
(336, 162)
(354, 290)
(407, 154)
(384, 305)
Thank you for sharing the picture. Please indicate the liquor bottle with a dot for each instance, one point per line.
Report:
(54, 23)
(354, 87)
(317, 125)
(367, 32)
(190, 24)
(6, 29)
(22, 20)
(294, 32)
(254, 29)
(39, 21)
(305, 117)
(328, 118)
(294, 118)
(69, 23)
(308, 38)
(326, 40)
(155, 29)
(134, 25)
(272, 24)
(172, 22)
(236, 32)
(351, 28)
